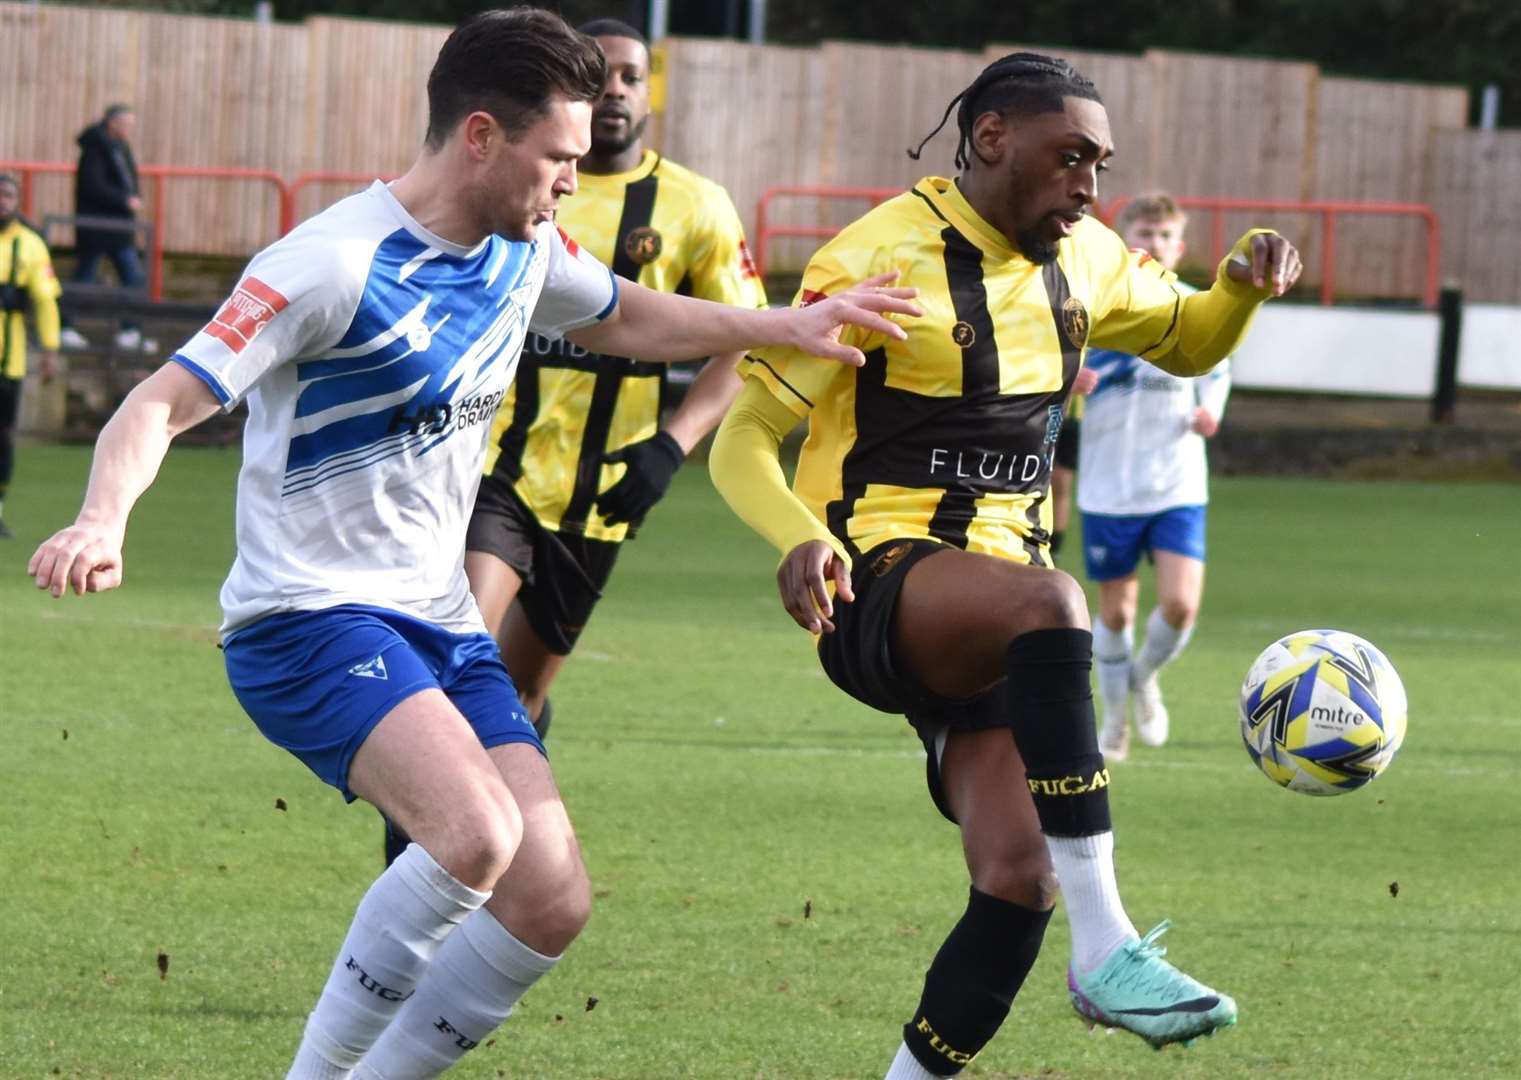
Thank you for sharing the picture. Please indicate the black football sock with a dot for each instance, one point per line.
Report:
(1051, 699)
(972, 982)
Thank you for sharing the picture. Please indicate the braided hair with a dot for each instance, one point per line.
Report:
(1020, 84)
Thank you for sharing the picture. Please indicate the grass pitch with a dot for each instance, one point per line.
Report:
(771, 879)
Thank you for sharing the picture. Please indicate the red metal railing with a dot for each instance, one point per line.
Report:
(300, 183)
(764, 230)
(159, 203)
(1328, 211)
(1217, 207)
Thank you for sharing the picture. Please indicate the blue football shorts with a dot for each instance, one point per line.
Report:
(1113, 543)
(317, 682)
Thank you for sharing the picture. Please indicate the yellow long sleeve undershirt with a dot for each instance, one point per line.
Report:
(1214, 322)
(747, 471)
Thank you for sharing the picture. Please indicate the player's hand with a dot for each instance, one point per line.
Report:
(134, 204)
(1271, 263)
(651, 464)
(815, 328)
(1085, 381)
(1204, 423)
(83, 557)
(47, 365)
(803, 581)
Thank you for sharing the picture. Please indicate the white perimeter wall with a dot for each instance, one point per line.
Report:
(1345, 350)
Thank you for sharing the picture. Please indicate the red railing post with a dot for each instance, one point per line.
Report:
(762, 235)
(156, 240)
(1216, 235)
(1328, 255)
(27, 184)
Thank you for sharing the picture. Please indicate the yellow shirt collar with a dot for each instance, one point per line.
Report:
(603, 181)
(947, 198)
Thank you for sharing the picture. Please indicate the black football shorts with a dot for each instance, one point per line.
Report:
(860, 659)
(563, 574)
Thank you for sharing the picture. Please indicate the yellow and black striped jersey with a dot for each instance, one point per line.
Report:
(668, 229)
(949, 434)
(27, 284)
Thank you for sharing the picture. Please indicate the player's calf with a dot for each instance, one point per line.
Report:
(972, 982)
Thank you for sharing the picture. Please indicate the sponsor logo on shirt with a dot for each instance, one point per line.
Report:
(438, 418)
(964, 335)
(247, 311)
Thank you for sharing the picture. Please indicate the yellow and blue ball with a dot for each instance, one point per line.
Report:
(1322, 712)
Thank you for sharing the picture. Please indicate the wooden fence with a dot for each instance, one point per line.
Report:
(348, 95)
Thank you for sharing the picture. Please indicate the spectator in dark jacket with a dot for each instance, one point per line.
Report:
(106, 186)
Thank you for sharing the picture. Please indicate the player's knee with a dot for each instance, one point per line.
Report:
(481, 839)
(558, 904)
(1018, 870)
(1179, 611)
(1052, 601)
(568, 913)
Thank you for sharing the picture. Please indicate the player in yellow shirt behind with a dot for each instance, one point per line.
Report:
(27, 285)
(916, 534)
(577, 455)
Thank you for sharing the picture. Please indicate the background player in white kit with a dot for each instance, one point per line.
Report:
(1142, 486)
(372, 345)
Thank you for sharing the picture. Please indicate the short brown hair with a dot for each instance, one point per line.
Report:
(1157, 206)
(510, 63)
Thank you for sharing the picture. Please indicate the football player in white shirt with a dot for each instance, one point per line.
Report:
(1142, 486)
(372, 345)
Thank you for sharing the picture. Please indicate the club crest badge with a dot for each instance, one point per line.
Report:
(1075, 322)
(642, 245)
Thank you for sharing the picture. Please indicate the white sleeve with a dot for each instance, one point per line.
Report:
(1213, 388)
(578, 290)
(286, 306)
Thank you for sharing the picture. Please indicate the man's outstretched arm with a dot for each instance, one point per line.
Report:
(86, 556)
(748, 474)
(650, 325)
(1213, 323)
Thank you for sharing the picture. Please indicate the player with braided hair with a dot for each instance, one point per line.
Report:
(916, 534)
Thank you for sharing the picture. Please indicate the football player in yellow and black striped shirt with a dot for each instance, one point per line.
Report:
(578, 456)
(920, 501)
(27, 284)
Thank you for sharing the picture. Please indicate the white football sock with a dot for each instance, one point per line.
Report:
(1111, 661)
(400, 924)
(1162, 645)
(469, 989)
(906, 1067)
(1085, 868)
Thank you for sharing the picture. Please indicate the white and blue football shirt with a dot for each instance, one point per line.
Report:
(373, 355)
(1139, 454)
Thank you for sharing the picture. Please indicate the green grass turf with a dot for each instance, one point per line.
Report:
(722, 788)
